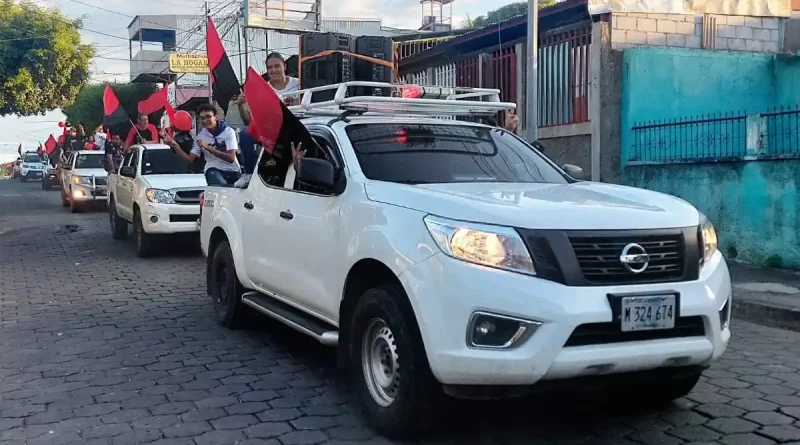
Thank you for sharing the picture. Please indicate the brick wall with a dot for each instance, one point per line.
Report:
(734, 33)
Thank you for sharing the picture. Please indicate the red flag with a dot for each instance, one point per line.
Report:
(50, 144)
(224, 84)
(113, 113)
(272, 123)
(157, 101)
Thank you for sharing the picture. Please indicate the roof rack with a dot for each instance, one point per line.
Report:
(430, 100)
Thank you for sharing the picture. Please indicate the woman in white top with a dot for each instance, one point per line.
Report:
(276, 76)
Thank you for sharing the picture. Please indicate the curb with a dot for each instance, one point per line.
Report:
(766, 315)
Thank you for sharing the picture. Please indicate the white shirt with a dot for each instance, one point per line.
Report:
(100, 139)
(292, 84)
(224, 142)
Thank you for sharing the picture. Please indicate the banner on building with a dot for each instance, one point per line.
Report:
(752, 8)
(283, 15)
(188, 63)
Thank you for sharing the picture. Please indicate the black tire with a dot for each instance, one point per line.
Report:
(119, 227)
(23, 179)
(414, 394)
(224, 288)
(145, 244)
(64, 201)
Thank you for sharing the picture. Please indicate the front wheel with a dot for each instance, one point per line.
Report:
(74, 207)
(119, 227)
(225, 289)
(390, 370)
(145, 244)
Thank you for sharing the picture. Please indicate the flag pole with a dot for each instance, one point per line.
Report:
(210, 89)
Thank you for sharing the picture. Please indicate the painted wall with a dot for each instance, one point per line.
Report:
(754, 205)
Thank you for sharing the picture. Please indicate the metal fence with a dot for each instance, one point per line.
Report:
(564, 75)
(779, 132)
(690, 138)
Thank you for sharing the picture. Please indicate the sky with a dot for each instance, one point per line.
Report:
(112, 64)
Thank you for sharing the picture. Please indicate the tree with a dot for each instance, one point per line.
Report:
(507, 12)
(88, 105)
(42, 61)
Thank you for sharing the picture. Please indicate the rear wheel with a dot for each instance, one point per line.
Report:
(225, 289)
(400, 395)
(145, 244)
(119, 227)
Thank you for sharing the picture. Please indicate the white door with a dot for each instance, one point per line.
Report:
(125, 189)
(307, 235)
(258, 239)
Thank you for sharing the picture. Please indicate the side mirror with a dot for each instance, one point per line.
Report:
(573, 170)
(127, 172)
(316, 173)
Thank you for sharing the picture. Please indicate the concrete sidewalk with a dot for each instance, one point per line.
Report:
(769, 297)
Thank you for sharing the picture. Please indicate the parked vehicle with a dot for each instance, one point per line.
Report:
(83, 180)
(450, 257)
(31, 167)
(157, 192)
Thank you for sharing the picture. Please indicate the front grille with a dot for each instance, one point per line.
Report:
(100, 181)
(188, 196)
(605, 333)
(599, 258)
(183, 218)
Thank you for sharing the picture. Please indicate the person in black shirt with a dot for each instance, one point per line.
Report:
(116, 153)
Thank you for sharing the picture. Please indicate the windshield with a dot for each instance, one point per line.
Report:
(85, 160)
(163, 162)
(32, 159)
(435, 154)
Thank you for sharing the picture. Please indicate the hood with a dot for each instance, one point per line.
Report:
(578, 206)
(96, 172)
(170, 182)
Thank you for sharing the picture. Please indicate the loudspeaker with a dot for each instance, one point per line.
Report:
(328, 70)
(365, 71)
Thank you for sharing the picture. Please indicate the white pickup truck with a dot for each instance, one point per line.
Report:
(448, 257)
(156, 191)
(83, 179)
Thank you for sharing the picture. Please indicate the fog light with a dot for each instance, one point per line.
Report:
(153, 219)
(492, 331)
(78, 193)
(725, 315)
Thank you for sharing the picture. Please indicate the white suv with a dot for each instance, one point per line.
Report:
(443, 256)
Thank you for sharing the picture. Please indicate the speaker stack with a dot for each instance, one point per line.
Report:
(328, 70)
(338, 68)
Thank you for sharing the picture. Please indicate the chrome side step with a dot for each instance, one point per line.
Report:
(294, 318)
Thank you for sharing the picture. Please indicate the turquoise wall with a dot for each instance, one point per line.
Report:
(753, 204)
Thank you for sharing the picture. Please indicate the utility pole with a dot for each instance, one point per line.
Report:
(532, 83)
(210, 90)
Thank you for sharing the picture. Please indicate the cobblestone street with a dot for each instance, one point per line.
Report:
(98, 346)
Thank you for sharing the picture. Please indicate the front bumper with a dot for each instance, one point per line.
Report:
(32, 174)
(81, 193)
(170, 218)
(445, 292)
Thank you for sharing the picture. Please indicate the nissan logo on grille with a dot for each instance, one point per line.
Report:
(634, 258)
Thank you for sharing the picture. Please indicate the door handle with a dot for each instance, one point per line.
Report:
(287, 215)
(249, 205)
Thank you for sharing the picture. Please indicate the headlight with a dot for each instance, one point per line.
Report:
(491, 246)
(82, 180)
(708, 238)
(159, 196)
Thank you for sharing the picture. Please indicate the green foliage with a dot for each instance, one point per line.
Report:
(42, 62)
(88, 105)
(507, 12)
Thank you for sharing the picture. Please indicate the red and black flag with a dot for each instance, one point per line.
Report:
(272, 123)
(156, 102)
(50, 145)
(113, 113)
(224, 84)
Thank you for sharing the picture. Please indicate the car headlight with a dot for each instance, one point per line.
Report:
(159, 196)
(82, 180)
(491, 246)
(708, 238)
